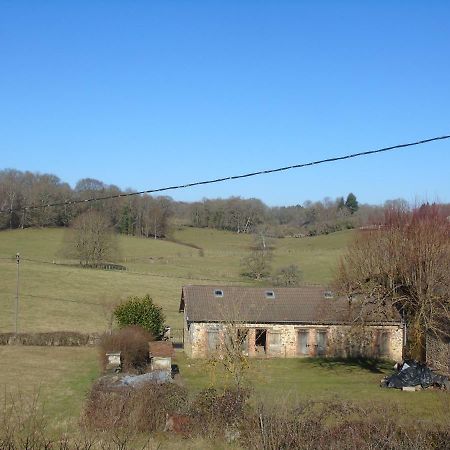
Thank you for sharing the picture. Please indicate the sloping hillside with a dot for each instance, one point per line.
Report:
(58, 296)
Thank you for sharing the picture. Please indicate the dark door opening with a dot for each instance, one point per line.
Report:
(261, 341)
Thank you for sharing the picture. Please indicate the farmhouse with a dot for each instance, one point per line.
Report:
(286, 322)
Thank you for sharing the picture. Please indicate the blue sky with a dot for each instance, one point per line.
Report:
(148, 94)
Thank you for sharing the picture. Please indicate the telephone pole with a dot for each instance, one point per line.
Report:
(17, 292)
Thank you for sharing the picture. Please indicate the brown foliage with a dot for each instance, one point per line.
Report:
(141, 409)
(214, 412)
(132, 342)
(405, 263)
(122, 419)
(338, 425)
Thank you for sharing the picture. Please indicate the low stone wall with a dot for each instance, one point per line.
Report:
(57, 339)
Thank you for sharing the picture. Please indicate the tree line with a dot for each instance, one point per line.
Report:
(150, 217)
(138, 215)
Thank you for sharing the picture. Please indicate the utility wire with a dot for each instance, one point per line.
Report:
(234, 177)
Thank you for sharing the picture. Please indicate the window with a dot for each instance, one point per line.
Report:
(275, 339)
(213, 340)
(383, 342)
(270, 294)
(218, 293)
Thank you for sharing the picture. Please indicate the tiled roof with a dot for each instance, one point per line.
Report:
(161, 349)
(308, 304)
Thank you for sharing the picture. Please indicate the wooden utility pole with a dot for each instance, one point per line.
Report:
(17, 292)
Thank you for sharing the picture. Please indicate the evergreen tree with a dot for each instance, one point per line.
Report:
(351, 203)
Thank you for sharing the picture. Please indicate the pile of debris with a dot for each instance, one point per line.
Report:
(412, 376)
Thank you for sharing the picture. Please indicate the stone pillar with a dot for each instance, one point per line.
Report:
(251, 341)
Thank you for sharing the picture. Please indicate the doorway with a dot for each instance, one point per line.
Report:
(303, 343)
(261, 341)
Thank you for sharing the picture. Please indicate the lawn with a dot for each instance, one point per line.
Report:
(56, 296)
(63, 376)
(59, 376)
(291, 380)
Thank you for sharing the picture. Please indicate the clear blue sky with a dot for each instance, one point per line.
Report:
(145, 94)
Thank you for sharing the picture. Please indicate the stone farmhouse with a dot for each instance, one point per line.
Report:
(286, 322)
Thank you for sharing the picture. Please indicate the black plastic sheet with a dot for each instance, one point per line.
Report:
(413, 373)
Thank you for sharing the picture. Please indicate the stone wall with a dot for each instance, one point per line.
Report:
(438, 354)
(283, 340)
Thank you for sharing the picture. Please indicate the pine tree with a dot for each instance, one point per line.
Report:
(351, 203)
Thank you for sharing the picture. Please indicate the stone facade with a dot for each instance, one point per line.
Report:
(295, 340)
(438, 353)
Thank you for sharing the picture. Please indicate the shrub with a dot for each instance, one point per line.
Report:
(132, 342)
(139, 409)
(143, 312)
(215, 412)
(288, 276)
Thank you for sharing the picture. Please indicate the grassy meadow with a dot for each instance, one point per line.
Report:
(56, 296)
(298, 379)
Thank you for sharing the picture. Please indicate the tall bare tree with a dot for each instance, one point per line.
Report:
(406, 262)
(93, 241)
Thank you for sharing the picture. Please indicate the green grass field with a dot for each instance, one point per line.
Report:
(54, 296)
(63, 376)
(293, 380)
(59, 377)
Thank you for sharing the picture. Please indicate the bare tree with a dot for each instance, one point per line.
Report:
(405, 263)
(92, 239)
(288, 276)
(231, 354)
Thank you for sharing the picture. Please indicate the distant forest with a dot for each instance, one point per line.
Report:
(148, 216)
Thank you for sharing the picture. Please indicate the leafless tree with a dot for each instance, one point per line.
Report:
(405, 263)
(92, 240)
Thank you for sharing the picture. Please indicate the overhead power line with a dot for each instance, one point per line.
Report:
(229, 178)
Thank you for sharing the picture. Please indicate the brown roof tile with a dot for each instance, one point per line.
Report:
(306, 304)
(161, 349)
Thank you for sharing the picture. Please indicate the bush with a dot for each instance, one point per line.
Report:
(289, 276)
(139, 409)
(132, 342)
(143, 312)
(216, 412)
